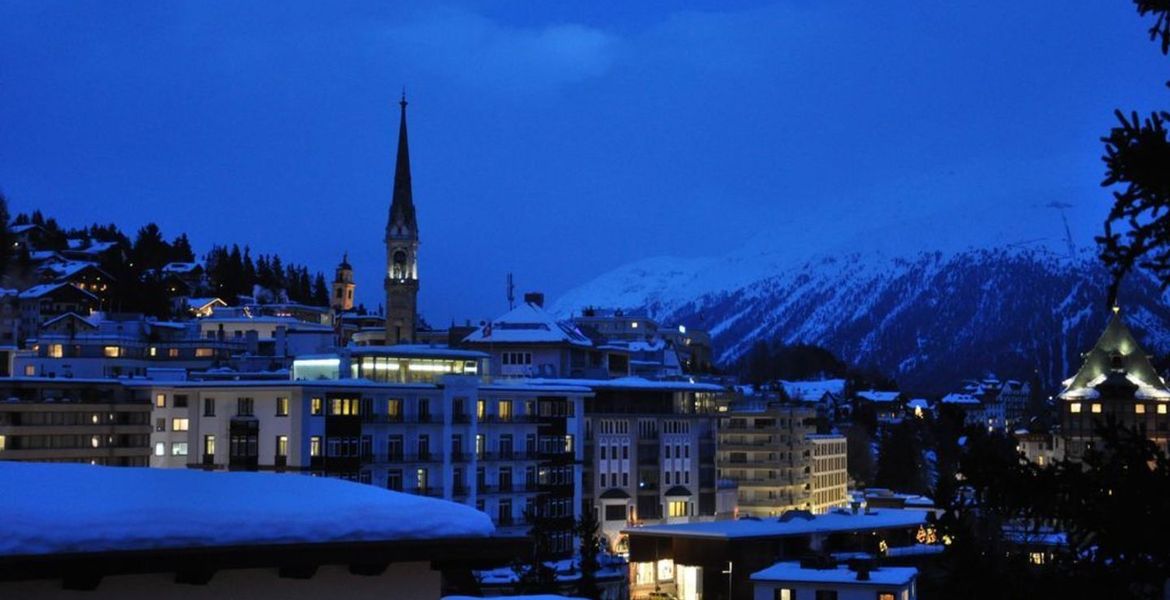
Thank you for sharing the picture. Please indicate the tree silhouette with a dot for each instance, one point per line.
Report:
(1137, 165)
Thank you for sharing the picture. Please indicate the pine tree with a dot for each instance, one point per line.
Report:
(6, 238)
(181, 250)
(586, 528)
(320, 291)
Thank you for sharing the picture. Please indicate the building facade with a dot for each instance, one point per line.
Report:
(99, 422)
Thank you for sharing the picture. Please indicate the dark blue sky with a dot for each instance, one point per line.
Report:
(553, 140)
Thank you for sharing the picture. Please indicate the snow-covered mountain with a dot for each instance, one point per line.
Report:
(985, 300)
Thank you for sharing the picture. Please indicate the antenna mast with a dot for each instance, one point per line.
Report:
(511, 287)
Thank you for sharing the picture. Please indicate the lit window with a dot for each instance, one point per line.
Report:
(315, 446)
(173, 352)
(1075, 407)
(282, 445)
(886, 596)
(644, 573)
(282, 406)
(1036, 558)
(204, 353)
(209, 445)
(55, 351)
(160, 448)
(1139, 409)
(3, 443)
(160, 401)
(665, 569)
(30, 370)
(1095, 408)
(112, 351)
(783, 594)
(153, 351)
(1161, 409)
(179, 449)
(178, 424)
(316, 407)
(95, 441)
(505, 410)
(678, 508)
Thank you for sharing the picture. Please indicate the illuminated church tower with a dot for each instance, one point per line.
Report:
(401, 250)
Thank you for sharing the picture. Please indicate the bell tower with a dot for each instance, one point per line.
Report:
(343, 286)
(401, 249)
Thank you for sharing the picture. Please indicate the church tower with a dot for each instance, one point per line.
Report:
(343, 286)
(401, 250)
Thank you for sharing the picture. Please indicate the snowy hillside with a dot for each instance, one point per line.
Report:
(1007, 299)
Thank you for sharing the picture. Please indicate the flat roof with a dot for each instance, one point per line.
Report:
(417, 351)
(842, 574)
(833, 522)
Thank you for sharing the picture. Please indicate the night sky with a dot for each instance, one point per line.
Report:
(553, 140)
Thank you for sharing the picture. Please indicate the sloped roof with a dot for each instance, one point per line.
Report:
(39, 291)
(678, 491)
(615, 494)
(180, 268)
(1116, 350)
(956, 398)
(814, 391)
(529, 324)
(876, 396)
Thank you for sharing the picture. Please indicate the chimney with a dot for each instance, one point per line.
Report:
(536, 298)
(861, 566)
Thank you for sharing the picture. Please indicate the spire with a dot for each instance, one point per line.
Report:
(402, 204)
(1116, 350)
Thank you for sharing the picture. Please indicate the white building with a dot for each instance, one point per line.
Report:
(794, 581)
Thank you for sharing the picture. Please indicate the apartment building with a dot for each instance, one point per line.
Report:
(99, 422)
(509, 450)
(767, 447)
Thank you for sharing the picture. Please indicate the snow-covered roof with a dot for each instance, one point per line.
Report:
(127, 508)
(417, 351)
(631, 382)
(529, 324)
(204, 303)
(181, 268)
(833, 522)
(92, 322)
(876, 396)
(1116, 351)
(814, 391)
(957, 398)
(793, 572)
(67, 269)
(918, 403)
(44, 289)
(18, 229)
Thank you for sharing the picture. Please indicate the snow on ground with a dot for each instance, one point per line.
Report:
(83, 508)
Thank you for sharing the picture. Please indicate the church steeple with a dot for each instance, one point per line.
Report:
(402, 221)
(402, 248)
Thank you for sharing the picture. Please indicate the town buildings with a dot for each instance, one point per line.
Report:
(704, 560)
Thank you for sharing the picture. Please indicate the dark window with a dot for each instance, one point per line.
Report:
(826, 595)
(180, 401)
(394, 480)
(209, 407)
(615, 512)
(244, 407)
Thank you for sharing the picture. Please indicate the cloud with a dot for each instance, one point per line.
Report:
(478, 51)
